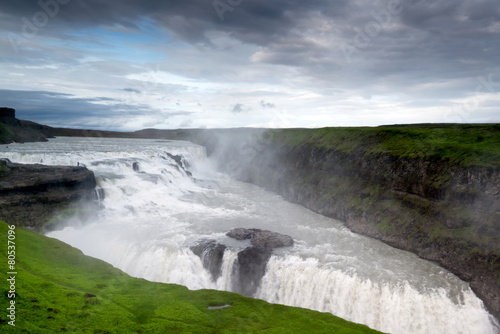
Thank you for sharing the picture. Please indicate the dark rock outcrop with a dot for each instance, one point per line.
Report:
(211, 254)
(7, 113)
(261, 238)
(252, 261)
(180, 163)
(14, 130)
(31, 194)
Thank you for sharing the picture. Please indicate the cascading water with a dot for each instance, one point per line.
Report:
(153, 210)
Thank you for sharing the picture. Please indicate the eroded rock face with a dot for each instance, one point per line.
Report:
(211, 254)
(30, 194)
(252, 261)
(181, 164)
(261, 238)
(241, 233)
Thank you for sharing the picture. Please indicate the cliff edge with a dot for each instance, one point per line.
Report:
(433, 190)
(15, 130)
(30, 195)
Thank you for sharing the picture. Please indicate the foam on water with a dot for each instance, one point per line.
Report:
(150, 218)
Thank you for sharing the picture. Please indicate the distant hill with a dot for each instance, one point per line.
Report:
(15, 130)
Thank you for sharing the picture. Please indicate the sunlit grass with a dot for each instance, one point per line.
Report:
(58, 289)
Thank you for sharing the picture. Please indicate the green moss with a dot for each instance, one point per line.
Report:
(3, 170)
(61, 290)
(386, 225)
(6, 134)
(465, 145)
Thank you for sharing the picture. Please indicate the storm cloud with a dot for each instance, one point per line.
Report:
(324, 62)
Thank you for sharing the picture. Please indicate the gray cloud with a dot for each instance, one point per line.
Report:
(429, 52)
(237, 108)
(60, 110)
(132, 90)
(266, 105)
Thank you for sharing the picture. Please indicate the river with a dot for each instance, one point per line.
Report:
(150, 215)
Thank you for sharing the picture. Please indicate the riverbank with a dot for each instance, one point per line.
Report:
(433, 190)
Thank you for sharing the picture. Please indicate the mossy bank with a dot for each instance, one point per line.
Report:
(57, 289)
(430, 189)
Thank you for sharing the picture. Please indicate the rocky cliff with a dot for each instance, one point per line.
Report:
(14, 130)
(31, 195)
(431, 190)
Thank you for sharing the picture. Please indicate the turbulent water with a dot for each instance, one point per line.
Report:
(149, 217)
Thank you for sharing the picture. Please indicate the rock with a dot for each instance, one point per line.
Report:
(30, 195)
(14, 130)
(252, 262)
(261, 238)
(176, 158)
(7, 112)
(135, 167)
(268, 239)
(211, 254)
(181, 164)
(241, 233)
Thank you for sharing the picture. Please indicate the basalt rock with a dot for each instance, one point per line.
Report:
(181, 164)
(14, 130)
(31, 194)
(211, 254)
(261, 238)
(252, 261)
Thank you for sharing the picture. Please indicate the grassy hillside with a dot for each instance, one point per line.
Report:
(58, 289)
(463, 144)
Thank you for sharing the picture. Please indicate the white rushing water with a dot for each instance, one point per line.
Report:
(149, 219)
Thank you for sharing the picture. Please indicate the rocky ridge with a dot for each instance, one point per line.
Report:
(30, 195)
(15, 130)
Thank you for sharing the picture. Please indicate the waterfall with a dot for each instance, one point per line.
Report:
(395, 307)
(159, 198)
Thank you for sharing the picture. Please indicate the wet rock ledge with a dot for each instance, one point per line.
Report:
(31, 195)
(252, 261)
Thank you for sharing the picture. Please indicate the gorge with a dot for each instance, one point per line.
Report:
(154, 211)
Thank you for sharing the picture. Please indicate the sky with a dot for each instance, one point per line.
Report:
(126, 65)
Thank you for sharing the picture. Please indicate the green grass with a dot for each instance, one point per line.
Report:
(466, 144)
(58, 289)
(6, 134)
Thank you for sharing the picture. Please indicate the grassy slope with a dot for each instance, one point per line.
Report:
(466, 145)
(54, 280)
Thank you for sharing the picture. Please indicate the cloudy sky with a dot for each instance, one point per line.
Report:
(127, 65)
